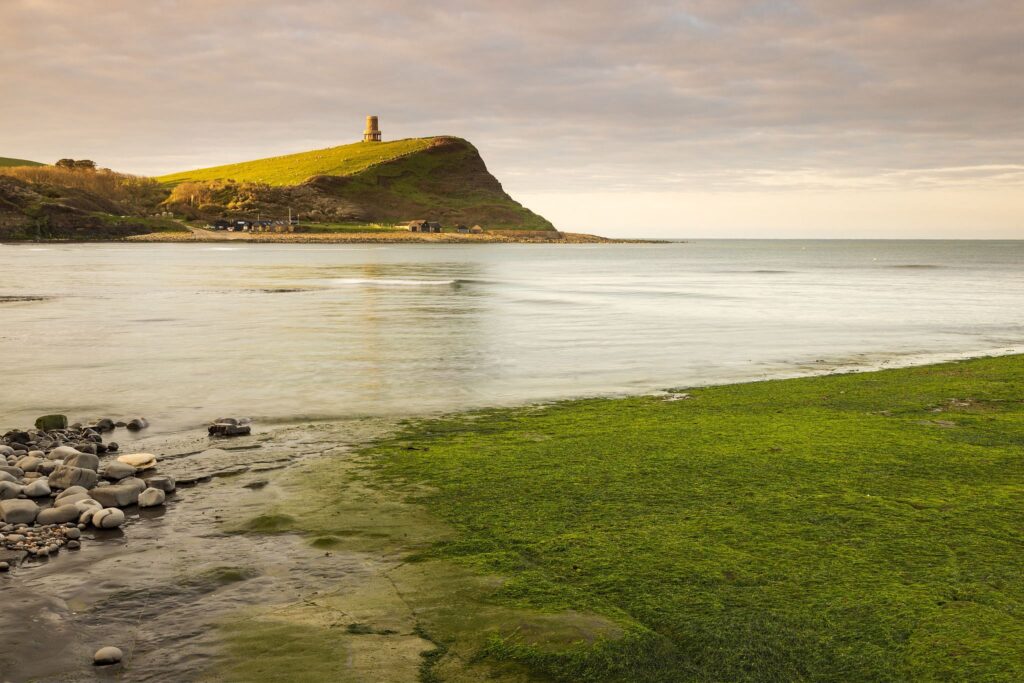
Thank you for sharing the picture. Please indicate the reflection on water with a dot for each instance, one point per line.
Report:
(183, 332)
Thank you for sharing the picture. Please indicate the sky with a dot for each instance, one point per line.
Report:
(710, 118)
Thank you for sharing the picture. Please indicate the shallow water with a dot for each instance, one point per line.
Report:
(182, 332)
(159, 587)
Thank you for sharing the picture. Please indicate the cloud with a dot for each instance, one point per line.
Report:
(657, 96)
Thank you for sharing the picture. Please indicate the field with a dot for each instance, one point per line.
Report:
(293, 169)
(860, 527)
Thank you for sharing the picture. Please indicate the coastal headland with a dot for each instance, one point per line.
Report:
(367, 191)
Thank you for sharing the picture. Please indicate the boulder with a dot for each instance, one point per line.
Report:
(11, 469)
(117, 495)
(10, 490)
(137, 424)
(18, 511)
(37, 489)
(165, 483)
(140, 461)
(58, 515)
(151, 498)
(6, 450)
(84, 460)
(48, 422)
(104, 425)
(108, 518)
(7, 476)
(65, 477)
(106, 656)
(115, 471)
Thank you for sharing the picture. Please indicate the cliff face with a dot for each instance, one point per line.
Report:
(447, 182)
(442, 179)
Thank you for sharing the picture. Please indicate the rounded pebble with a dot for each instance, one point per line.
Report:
(107, 655)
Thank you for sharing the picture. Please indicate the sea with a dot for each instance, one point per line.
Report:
(185, 333)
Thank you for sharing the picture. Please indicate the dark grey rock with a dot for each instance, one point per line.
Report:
(227, 429)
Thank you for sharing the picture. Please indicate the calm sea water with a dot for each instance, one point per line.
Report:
(182, 333)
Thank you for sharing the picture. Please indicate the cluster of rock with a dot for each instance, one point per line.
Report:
(231, 426)
(53, 483)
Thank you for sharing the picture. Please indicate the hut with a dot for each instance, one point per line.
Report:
(424, 226)
(476, 230)
(461, 228)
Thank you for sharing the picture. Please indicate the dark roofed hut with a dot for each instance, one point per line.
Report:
(417, 226)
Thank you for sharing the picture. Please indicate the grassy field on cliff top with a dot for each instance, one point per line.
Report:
(862, 527)
(5, 161)
(859, 527)
(293, 169)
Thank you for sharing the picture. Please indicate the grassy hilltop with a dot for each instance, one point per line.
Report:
(437, 178)
(293, 169)
(6, 161)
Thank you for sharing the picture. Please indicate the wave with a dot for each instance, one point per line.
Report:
(390, 282)
(923, 266)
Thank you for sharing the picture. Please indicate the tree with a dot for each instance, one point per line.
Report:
(65, 163)
(85, 165)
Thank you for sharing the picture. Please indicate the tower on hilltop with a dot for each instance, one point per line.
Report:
(372, 132)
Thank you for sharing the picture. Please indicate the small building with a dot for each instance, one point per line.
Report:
(476, 230)
(221, 224)
(424, 226)
(461, 228)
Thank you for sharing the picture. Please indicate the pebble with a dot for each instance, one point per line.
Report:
(165, 483)
(117, 470)
(140, 461)
(107, 655)
(37, 489)
(4, 567)
(74, 545)
(108, 518)
(151, 497)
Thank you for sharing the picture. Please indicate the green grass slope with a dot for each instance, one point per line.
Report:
(293, 169)
(5, 161)
(863, 527)
(439, 178)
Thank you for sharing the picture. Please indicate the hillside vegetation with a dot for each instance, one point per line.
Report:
(6, 161)
(440, 178)
(293, 169)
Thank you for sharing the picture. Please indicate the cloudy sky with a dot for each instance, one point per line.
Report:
(732, 118)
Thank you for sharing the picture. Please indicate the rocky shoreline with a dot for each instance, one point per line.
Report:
(61, 480)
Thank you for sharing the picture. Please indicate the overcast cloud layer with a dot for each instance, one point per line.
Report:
(563, 99)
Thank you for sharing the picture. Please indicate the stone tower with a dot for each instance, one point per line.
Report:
(372, 132)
